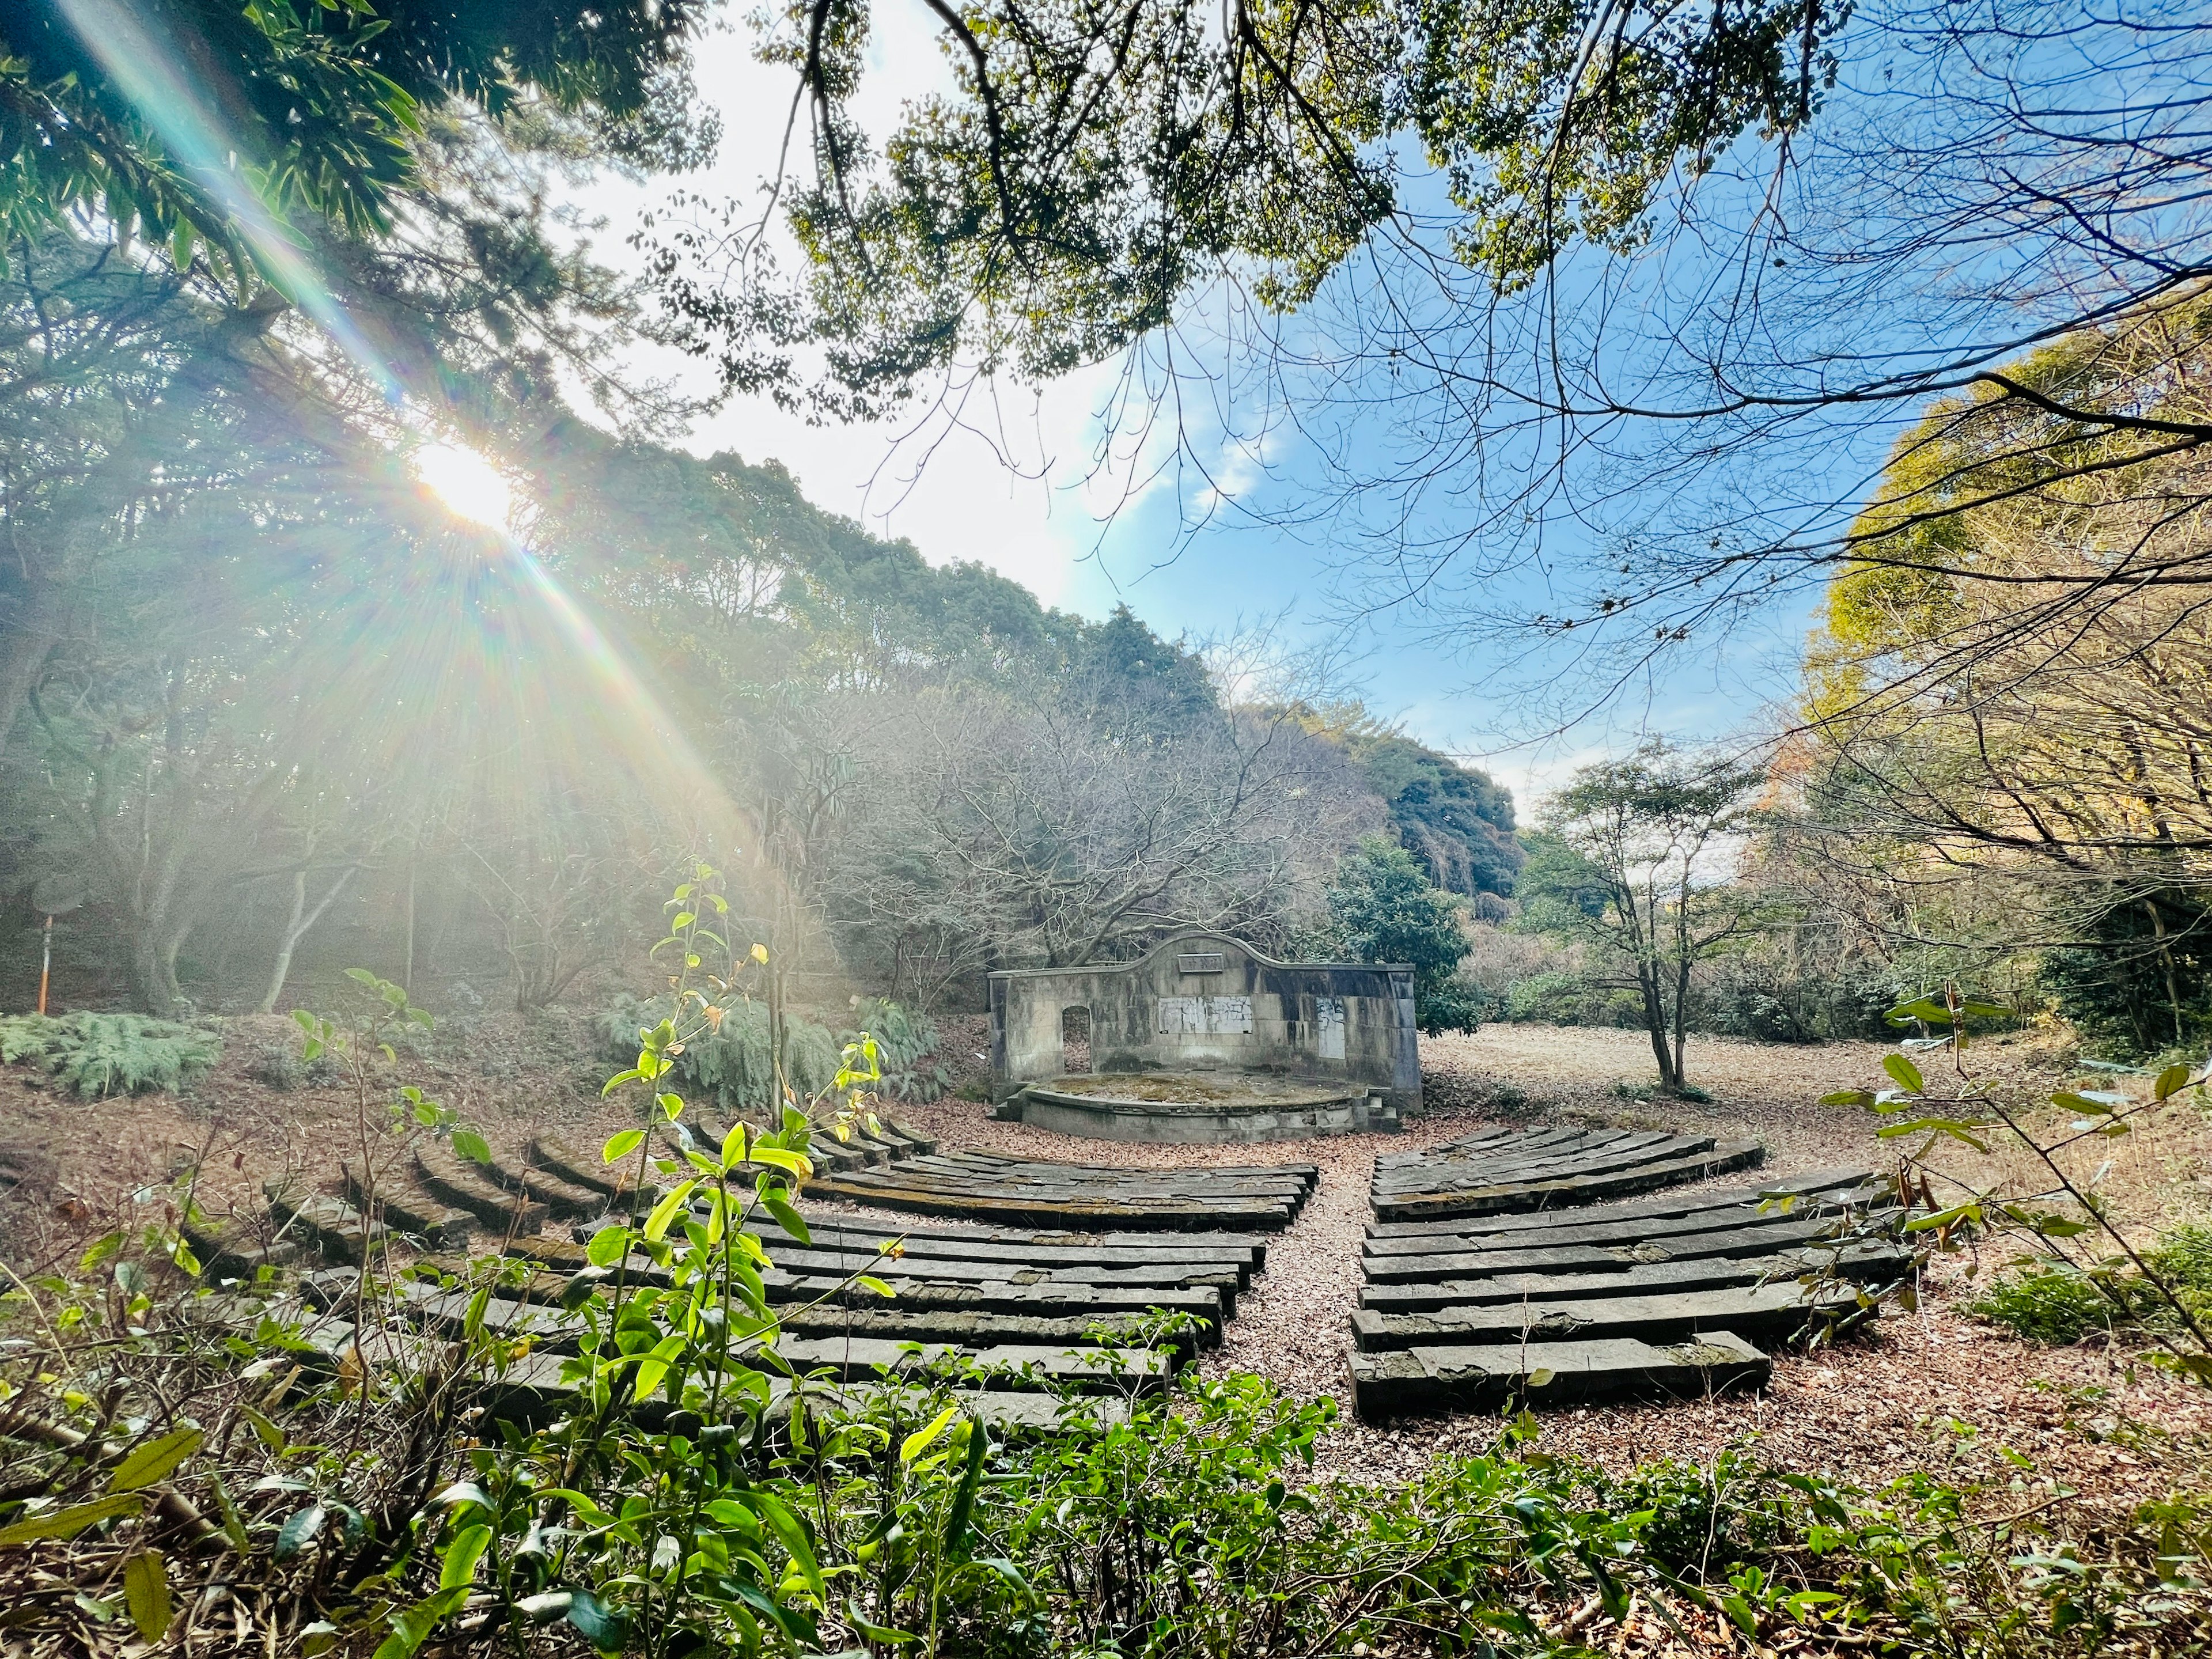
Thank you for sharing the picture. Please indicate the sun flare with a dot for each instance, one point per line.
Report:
(467, 484)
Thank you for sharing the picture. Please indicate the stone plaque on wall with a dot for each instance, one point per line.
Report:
(1202, 962)
(1205, 1016)
(1182, 1016)
(1229, 1016)
(1328, 1026)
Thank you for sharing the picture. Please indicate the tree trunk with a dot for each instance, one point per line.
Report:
(23, 654)
(2172, 982)
(407, 970)
(295, 929)
(1655, 1019)
(1681, 1019)
(153, 965)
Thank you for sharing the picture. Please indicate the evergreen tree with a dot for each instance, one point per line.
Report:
(1383, 908)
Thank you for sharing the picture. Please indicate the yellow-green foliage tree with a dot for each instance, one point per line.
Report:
(2013, 682)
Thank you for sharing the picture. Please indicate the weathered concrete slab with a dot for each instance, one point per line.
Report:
(1100, 1285)
(918, 1297)
(1863, 1264)
(1005, 1367)
(978, 1331)
(1293, 1184)
(1149, 1263)
(965, 1327)
(1065, 1207)
(1590, 1228)
(1821, 1190)
(1428, 1380)
(1545, 1194)
(421, 1218)
(1762, 1313)
(1600, 1256)
(465, 1185)
(1038, 1245)
(1630, 1152)
(1866, 1264)
(227, 1254)
(568, 1199)
(333, 1228)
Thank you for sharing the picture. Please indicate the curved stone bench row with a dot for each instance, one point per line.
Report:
(985, 1187)
(433, 1199)
(1674, 1295)
(1012, 1308)
(1505, 1171)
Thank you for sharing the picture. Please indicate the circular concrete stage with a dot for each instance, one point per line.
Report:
(1199, 1109)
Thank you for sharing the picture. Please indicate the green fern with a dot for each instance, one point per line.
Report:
(904, 1038)
(730, 1066)
(95, 1055)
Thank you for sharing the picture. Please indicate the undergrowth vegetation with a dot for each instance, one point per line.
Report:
(92, 1054)
(192, 1464)
(2058, 1303)
(734, 1063)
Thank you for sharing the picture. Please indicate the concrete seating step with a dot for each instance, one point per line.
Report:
(1759, 1313)
(1294, 1185)
(1595, 1227)
(989, 1187)
(1006, 1366)
(519, 1172)
(853, 1247)
(916, 1269)
(1821, 1192)
(583, 1169)
(553, 1328)
(1428, 1380)
(1558, 1191)
(927, 1297)
(1448, 1173)
(1864, 1264)
(1005, 1391)
(1034, 1210)
(445, 1174)
(1569, 1255)
(332, 1228)
(227, 1253)
(421, 1218)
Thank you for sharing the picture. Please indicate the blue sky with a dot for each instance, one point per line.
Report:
(1013, 478)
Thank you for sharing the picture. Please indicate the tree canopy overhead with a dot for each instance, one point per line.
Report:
(165, 117)
(1094, 165)
(1609, 308)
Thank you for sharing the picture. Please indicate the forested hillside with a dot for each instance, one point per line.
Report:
(270, 713)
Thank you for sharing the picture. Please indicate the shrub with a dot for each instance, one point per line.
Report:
(1745, 997)
(734, 1066)
(98, 1054)
(1559, 998)
(2053, 1305)
(904, 1038)
(1695, 1522)
(278, 1066)
(1383, 908)
(2182, 1260)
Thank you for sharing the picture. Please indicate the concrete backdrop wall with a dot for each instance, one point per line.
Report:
(1208, 1002)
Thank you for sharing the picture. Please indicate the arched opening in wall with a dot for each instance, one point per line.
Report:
(1074, 1042)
